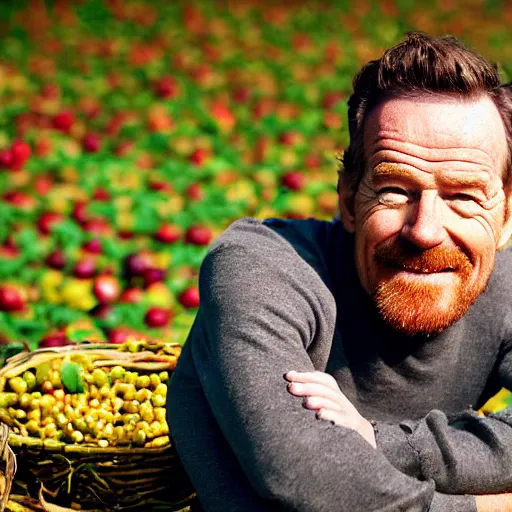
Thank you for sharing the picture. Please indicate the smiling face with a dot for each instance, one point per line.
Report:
(429, 212)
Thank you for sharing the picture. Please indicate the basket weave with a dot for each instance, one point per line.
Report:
(88, 477)
(7, 468)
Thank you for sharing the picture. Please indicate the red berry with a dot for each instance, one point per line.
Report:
(19, 198)
(153, 275)
(57, 339)
(21, 152)
(168, 233)
(288, 138)
(91, 143)
(124, 148)
(161, 186)
(63, 121)
(85, 268)
(312, 160)
(106, 288)
(93, 246)
(157, 317)
(121, 334)
(241, 95)
(166, 87)
(101, 311)
(331, 98)
(10, 299)
(47, 220)
(6, 158)
(132, 296)
(80, 212)
(56, 260)
(198, 235)
(293, 180)
(195, 192)
(100, 194)
(43, 185)
(43, 147)
(96, 226)
(135, 264)
(50, 91)
(190, 298)
(199, 156)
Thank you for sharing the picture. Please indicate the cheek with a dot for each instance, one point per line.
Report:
(379, 225)
(480, 234)
(375, 228)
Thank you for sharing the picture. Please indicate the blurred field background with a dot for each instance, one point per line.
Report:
(133, 133)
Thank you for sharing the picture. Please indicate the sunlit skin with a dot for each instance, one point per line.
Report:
(428, 217)
(433, 181)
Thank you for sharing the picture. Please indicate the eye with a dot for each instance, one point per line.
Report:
(393, 196)
(461, 197)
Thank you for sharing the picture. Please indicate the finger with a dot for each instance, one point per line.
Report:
(335, 417)
(313, 377)
(306, 389)
(315, 403)
(341, 419)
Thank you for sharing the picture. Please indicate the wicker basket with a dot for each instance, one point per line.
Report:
(8, 467)
(87, 476)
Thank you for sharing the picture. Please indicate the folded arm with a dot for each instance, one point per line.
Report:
(462, 455)
(259, 319)
(466, 453)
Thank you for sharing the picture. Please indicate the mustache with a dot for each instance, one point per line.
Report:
(435, 259)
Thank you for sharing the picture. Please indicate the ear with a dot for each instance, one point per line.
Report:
(346, 196)
(506, 231)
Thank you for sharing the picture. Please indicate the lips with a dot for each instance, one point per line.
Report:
(424, 269)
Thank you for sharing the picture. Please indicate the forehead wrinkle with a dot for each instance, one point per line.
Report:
(384, 140)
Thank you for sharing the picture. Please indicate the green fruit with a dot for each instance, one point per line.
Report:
(18, 385)
(8, 399)
(99, 377)
(30, 379)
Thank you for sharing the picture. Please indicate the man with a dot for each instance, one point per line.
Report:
(392, 322)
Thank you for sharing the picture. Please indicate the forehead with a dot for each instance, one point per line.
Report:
(433, 128)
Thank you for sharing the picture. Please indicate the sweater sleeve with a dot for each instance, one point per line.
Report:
(263, 311)
(466, 453)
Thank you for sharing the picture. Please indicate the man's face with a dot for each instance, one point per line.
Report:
(429, 212)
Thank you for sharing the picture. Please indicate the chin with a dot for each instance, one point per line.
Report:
(423, 305)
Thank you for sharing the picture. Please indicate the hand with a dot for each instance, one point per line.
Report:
(324, 396)
(494, 503)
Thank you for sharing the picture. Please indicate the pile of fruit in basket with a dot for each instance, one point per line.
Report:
(85, 398)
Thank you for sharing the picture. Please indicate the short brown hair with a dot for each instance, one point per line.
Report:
(421, 64)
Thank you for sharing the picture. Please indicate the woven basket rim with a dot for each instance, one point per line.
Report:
(19, 441)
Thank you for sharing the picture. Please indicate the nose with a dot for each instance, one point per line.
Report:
(424, 227)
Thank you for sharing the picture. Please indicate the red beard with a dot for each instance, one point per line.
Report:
(414, 307)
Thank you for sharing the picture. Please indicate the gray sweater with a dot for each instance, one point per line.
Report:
(284, 295)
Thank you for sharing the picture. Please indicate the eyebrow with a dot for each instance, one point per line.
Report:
(466, 179)
(449, 178)
(396, 171)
